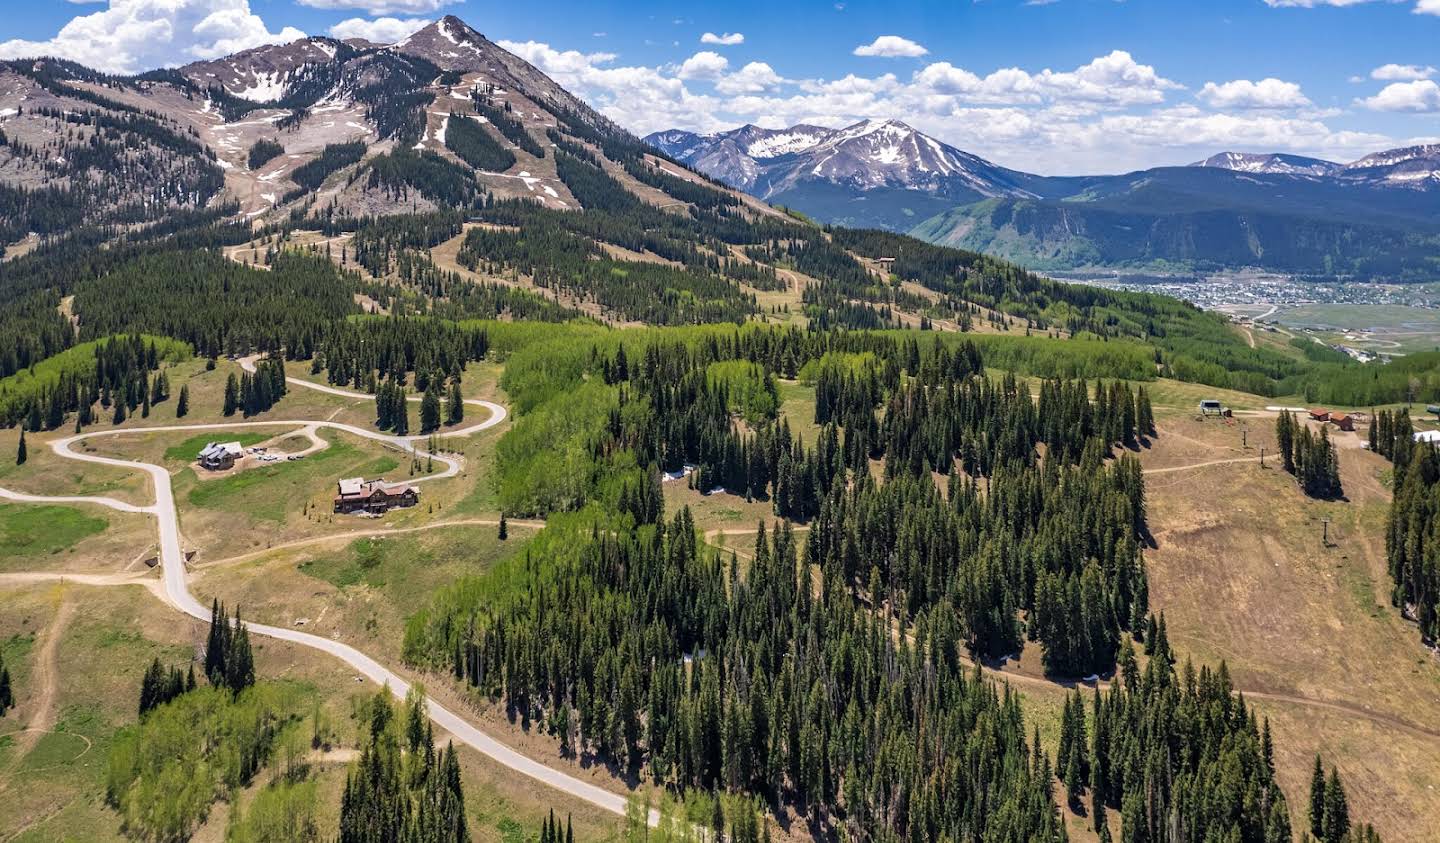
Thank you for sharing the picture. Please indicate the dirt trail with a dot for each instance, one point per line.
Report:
(1175, 468)
(46, 679)
(362, 534)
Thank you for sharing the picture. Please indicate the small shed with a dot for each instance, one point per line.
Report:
(1211, 407)
(1344, 421)
(1319, 415)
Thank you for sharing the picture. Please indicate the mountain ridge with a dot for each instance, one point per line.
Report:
(1230, 210)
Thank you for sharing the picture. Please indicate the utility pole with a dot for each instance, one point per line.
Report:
(1262, 456)
(1325, 525)
(1244, 439)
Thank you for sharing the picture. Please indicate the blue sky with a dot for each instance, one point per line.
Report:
(1065, 86)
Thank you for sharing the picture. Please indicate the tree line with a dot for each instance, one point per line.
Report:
(255, 393)
(1309, 456)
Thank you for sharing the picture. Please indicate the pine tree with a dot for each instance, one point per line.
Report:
(430, 410)
(20, 453)
(1285, 437)
(400, 420)
(240, 661)
(217, 645)
(182, 404)
(1337, 810)
(232, 395)
(504, 530)
(7, 694)
(455, 407)
(1317, 800)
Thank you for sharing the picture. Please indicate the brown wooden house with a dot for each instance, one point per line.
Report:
(356, 494)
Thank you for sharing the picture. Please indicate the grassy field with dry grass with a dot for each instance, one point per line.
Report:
(1242, 573)
(77, 655)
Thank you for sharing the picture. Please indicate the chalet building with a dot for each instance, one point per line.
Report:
(1344, 421)
(1320, 415)
(219, 456)
(356, 494)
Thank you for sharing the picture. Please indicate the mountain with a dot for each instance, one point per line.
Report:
(1416, 167)
(1376, 217)
(1209, 219)
(282, 129)
(875, 173)
(268, 73)
(1272, 163)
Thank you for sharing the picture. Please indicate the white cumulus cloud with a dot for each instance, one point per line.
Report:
(643, 99)
(703, 65)
(1104, 116)
(891, 46)
(1402, 72)
(382, 7)
(1420, 96)
(754, 78)
(378, 30)
(729, 39)
(1311, 4)
(130, 36)
(1422, 7)
(1114, 79)
(1268, 93)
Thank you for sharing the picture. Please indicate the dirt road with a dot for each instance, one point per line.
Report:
(176, 592)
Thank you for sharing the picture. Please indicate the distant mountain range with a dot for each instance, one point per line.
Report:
(1378, 217)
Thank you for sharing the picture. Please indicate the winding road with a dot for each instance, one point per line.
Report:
(174, 589)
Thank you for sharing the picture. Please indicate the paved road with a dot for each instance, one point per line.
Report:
(176, 591)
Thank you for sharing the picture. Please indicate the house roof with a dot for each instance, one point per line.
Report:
(1430, 436)
(360, 488)
(219, 449)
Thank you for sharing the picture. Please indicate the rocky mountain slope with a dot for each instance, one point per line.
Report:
(880, 173)
(314, 126)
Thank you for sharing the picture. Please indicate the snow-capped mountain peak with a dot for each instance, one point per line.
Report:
(1277, 163)
(266, 73)
(864, 156)
(1391, 157)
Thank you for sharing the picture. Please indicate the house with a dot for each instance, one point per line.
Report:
(1320, 415)
(356, 494)
(219, 456)
(1344, 421)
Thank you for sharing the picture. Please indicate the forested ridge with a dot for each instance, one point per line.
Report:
(817, 671)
